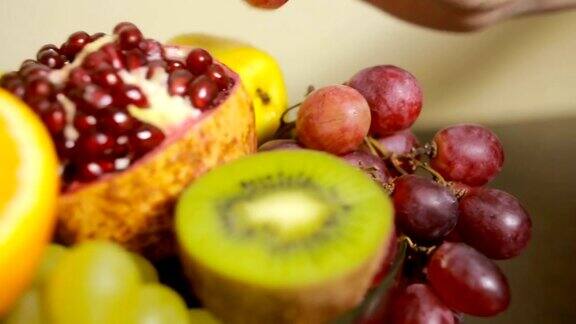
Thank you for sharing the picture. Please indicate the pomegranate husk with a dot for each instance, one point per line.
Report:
(135, 207)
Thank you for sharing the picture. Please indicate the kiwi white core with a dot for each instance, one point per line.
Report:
(291, 213)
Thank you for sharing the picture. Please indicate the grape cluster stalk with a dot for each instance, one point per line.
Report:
(454, 224)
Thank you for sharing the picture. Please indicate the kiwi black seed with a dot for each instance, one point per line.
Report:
(283, 237)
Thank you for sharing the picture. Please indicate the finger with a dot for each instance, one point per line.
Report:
(476, 5)
(438, 15)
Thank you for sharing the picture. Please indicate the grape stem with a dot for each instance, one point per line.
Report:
(437, 176)
(416, 247)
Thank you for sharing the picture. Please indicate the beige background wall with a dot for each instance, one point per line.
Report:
(516, 71)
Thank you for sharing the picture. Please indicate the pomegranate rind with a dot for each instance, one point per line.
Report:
(135, 208)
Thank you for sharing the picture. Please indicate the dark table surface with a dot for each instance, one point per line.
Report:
(540, 170)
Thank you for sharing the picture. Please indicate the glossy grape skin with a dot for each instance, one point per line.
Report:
(399, 143)
(425, 210)
(280, 144)
(158, 304)
(417, 304)
(335, 119)
(387, 261)
(494, 222)
(28, 310)
(468, 153)
(267, 4)
(467, 281)
(394, 96)
(371, 165)
(201, 316)
(92, 283)
(53, 254)
(147, 271)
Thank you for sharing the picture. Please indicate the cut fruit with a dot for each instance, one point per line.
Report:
(29, 173)
(283, 237)
(134, 123)
(260, 74)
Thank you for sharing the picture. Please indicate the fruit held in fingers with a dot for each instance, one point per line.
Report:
(134, 122)
(267, 4)
(283, 237)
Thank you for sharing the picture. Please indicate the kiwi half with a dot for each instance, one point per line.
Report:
(283, 237)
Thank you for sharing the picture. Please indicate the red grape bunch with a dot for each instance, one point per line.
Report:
(452, 223)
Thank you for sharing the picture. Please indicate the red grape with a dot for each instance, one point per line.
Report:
(370, 164)
(280, 144)
(467, 281)
(267, 4)
(470, 154)
(394, 96)
(425, 210)
(494, 222)
(335, 119)
(417, 304)
(399, 143)
(387, 261)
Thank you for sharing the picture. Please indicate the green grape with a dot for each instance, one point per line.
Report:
(147, 270)
(201, 316)
(92, 284)
(28, 310)
(156, 304)
(52, 256)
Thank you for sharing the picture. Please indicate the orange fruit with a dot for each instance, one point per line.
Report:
(28, 191)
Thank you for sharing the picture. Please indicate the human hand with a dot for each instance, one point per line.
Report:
(454, 15)
(465, 15)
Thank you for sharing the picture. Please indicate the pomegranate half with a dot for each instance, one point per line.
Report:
(134, 123)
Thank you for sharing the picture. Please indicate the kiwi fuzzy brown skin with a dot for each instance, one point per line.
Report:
(238, 303)
(135, 207)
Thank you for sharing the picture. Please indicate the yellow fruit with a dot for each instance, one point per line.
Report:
(259, 72)
(28, 193)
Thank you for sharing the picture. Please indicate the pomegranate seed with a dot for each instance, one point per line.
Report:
(118, 122)
(33, 71)
(74, 44)
(129, 37)
(8, 78)
(178, 82)
(198, 61)
(113, 56)
(38, 89)
(202, 91)
(87, 172)
(145, 139)
(15, 86)
(121, 147)
(95, 98)
(108, 79)
(96, 36)
(54, 118)
(174, 65)
(95, 61)
(151, 49)
(79, 77)
(27, 63)
(217, 74)
(64, 146)
(123, 24)
(40, 106)
(93, 145)
(49, 47)
(85, 123)
(130, 95)
(51, 58)
(134, 59)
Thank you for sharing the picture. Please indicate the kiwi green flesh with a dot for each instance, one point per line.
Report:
(283, 219)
